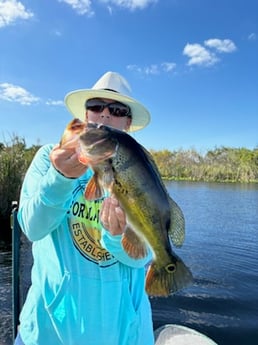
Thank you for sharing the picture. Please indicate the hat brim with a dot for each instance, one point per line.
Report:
(75, 103)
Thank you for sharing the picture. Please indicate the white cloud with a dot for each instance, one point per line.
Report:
(168, 66)
(206, 55)
(80, 6)
(12, 10)
(110, 10)
(134, 68)
(222, 46)
(55, 103)
(17, 94)
(84, 7)
(199, 55)
(130, 4)
(14, 93)
(57, 33)
(153, 69)
(252, 37)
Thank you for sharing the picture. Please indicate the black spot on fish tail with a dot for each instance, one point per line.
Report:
(166, 280)
(170, 268)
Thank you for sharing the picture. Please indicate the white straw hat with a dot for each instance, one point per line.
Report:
(112, 86)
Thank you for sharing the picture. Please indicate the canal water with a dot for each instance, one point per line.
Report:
(221, 249)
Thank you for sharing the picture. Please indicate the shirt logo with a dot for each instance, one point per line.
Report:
(85, 229)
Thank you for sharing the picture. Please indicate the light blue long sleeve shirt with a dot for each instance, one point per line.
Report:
(85, 289)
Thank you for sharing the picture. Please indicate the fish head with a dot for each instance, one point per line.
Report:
(96, 144)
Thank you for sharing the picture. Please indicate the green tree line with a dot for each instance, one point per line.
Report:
(222, 164)
(15, 158)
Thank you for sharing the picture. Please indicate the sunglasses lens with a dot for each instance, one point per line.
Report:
(95, 105)
(116, 109)
(95, 108)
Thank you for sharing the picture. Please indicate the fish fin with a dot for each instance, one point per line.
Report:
(176, 229)
(93, 190)
(71, 134)
(107, 178)
(133, 244)
(166, 280)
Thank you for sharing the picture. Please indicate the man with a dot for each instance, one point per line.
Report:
(85, 288)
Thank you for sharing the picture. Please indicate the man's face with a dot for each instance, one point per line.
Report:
(102, 114)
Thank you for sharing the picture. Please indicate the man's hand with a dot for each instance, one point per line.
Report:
(65, 160)
(112, 216)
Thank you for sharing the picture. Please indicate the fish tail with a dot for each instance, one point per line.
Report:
(165, 280)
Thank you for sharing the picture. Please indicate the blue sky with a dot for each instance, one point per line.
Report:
(192, 63)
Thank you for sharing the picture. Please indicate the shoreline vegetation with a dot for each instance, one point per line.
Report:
(222, 164)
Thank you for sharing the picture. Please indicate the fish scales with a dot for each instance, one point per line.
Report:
(126, 169)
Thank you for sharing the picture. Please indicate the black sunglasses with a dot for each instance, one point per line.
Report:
(115, 108)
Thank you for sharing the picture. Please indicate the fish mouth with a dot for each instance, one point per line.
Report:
(96, 144)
